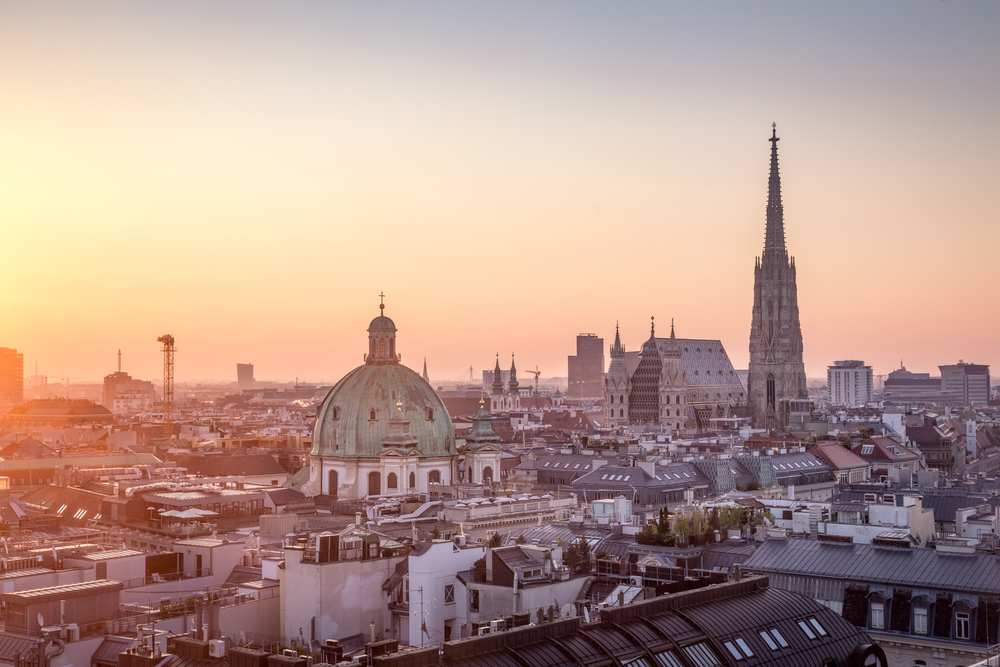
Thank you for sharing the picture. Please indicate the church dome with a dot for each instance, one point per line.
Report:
(381, 323)
(356, 419)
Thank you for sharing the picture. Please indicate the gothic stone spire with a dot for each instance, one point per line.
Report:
(774, 234)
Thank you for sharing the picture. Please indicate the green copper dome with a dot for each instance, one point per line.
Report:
(345, 427)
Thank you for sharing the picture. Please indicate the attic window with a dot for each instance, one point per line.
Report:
(867, 449)
(430, 414)
(336, 413)
(604, 476)
(546, 464)
(371, 415)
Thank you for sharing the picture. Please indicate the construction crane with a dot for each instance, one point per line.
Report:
(67, 378)
(168, 384)
(536, 373)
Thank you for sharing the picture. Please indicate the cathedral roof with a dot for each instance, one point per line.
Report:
(705, 361)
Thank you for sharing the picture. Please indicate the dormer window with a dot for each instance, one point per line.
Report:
(336, 413)
(430, 414)
(371, 415)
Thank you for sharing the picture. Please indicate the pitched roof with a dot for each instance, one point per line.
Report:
(919, 568)
(116, 461)
(883, 449)
(227, 466)
(837, 456)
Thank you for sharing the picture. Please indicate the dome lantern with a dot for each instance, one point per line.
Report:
(382, 338)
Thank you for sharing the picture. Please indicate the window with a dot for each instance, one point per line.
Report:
(371, 415)
(336, 413)
(766, 636)
(744, 647)
(667, 659)
(732, 649)
(449, 593)
(701, 655)
(920, 620)
(819, 628)
(877, 615)
(806, 629)
(430, 414)
(474, 599)
(961, 625)
(779, 638)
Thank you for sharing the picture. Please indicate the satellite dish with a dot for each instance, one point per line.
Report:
(41, 620)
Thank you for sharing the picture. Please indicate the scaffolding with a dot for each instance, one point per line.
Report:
(168, 385)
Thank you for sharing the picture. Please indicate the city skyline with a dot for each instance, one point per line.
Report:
(252, 192)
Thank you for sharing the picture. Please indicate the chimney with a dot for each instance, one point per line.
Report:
(357, 518)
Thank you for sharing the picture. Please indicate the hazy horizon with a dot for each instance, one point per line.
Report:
(250, 177)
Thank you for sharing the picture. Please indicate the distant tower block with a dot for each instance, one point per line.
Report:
(244, 377)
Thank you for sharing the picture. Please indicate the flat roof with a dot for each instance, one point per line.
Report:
(109, 555)
(65, 592)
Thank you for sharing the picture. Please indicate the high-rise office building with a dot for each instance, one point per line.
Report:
(586, 367)
(850, 383)
(966, 384)
(11, 376)
(244, 376)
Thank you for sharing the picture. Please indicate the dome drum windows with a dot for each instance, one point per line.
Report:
(372, 415)
(430, 414)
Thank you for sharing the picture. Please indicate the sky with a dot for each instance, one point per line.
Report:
(250, 176)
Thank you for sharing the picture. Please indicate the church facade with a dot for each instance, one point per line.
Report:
(679, 383)
(776, 381)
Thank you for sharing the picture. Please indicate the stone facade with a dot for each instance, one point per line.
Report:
(777, 374)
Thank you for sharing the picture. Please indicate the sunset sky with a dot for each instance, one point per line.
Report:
(249, 176)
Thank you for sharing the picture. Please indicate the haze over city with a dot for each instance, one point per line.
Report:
(249, 178)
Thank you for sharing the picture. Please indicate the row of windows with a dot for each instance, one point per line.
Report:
(775, 641)
(15, 482)
(920, 616)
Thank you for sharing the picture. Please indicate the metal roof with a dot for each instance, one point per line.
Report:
(118, 461)
(916, 568)
(65, 592)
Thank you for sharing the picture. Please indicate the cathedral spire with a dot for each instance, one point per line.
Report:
(427, 378)
(652, 327)
(497, 377)
(617, 349)
(513, 384)
(774, 235)
(672, 337)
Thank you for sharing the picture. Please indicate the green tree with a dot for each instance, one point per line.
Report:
(479, 569)
(495, 539)
(520, 539)
(577, 556)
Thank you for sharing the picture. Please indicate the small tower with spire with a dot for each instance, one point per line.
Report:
(426, 377)
(514, 393)
(673, 385)
(496, 391)
(617, 386)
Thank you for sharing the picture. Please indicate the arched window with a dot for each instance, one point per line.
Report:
(332, 484)
(434, 477)
(381, 348)
(336, 413)
(430, 414)
(612, 399)
(371, 415)
(770, 390)
(374, 483)
(487, 474)
(392, 347)
(390, 481)
(621, 413)
(413, 480)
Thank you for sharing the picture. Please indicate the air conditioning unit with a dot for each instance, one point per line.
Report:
(289, 653)
(216, 648)
(498, 625)
(483, 630)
